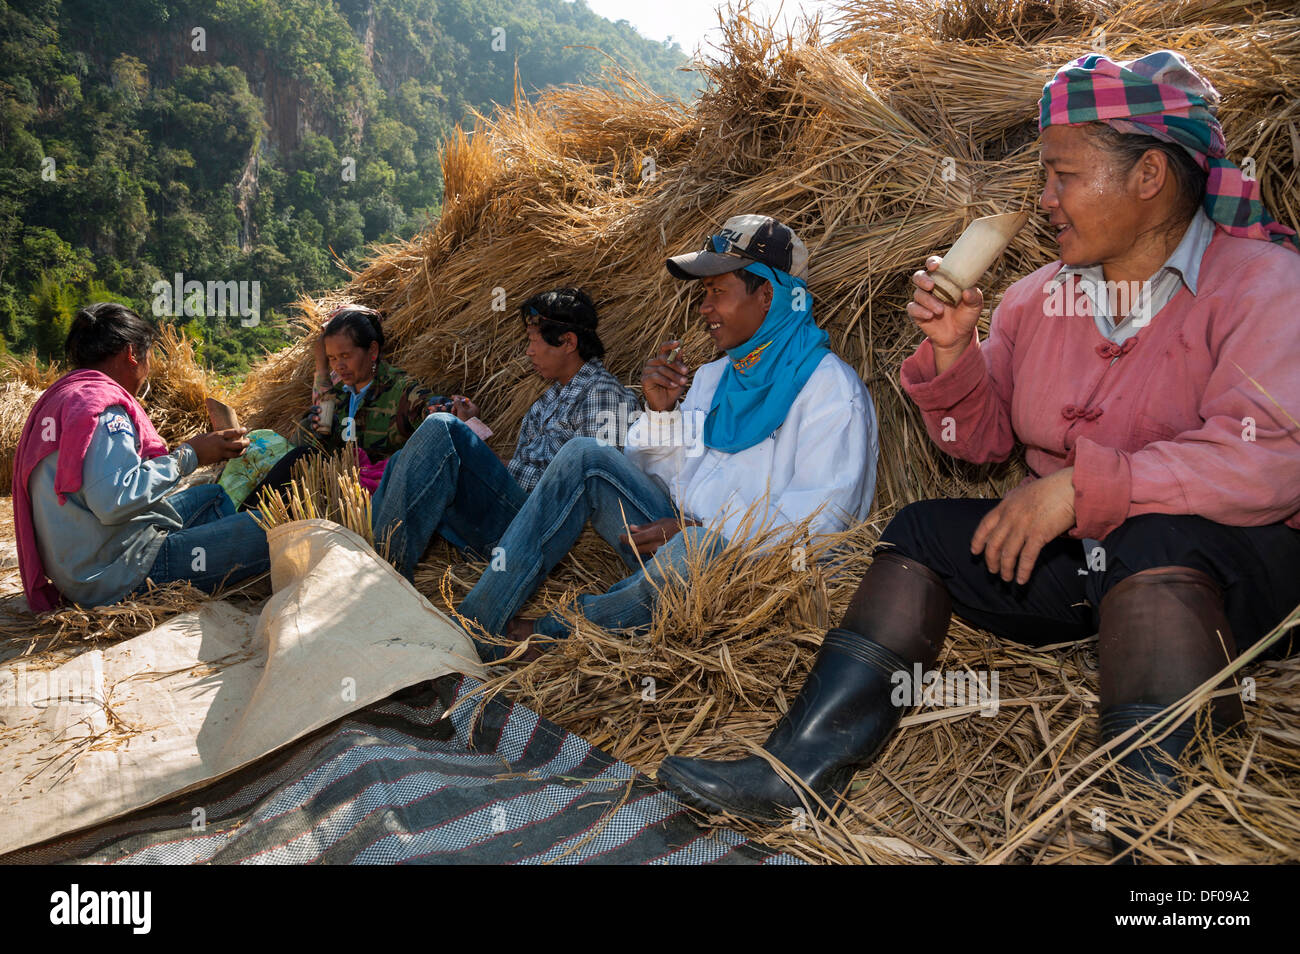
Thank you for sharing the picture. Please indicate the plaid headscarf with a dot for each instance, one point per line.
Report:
(1161, 95)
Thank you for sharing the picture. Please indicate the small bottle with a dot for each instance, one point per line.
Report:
(321, 397)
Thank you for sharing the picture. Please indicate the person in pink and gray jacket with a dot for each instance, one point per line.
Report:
(1153, 376)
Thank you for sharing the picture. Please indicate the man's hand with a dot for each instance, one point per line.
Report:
(646, 538)
(219, 445)
(663, 383)
(1013, 533)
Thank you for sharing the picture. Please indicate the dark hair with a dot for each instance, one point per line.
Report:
(361, 325)
(752, 282)
(1128, 148)
(564, 310)
(103, 330)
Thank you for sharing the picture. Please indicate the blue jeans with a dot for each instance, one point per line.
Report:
(443, 480)
(587, 480)
(215, 544)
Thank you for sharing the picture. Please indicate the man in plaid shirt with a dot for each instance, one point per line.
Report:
(447, 480)
(586, 405)
(777, 435)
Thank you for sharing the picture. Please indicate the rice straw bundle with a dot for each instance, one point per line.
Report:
(323, 487)
(178, 385)
(16, 400)
(878, 145)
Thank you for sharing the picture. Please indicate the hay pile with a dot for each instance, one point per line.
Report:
(873, 175)
(877, 146)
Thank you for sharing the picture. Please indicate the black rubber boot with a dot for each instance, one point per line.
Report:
(1163, 633)
(844, 713)
(841, 718)
(1155, 762)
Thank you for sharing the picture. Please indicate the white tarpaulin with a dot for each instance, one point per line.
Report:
(212, 690)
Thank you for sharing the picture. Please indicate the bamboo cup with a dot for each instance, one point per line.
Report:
(221, 415)
(973, 253)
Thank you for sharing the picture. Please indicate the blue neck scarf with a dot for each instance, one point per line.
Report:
(768, 371)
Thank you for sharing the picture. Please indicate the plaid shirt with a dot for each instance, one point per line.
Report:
(592, 404)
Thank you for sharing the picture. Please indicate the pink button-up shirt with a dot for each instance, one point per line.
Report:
(1197, 414)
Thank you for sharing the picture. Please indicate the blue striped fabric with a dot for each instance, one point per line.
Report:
(399, 783)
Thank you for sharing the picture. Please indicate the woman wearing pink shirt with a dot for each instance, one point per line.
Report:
(1153, 375)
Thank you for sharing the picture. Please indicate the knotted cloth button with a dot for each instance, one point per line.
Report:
(1108, 349)
(1070, 413)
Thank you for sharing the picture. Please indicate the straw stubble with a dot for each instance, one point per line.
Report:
(878, 145)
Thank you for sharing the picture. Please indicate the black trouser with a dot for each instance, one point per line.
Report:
(1257, 567)
(278, 477)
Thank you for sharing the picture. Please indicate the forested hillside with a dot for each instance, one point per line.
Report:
(249, 141)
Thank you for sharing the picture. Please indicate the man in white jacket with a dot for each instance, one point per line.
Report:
(776, 430)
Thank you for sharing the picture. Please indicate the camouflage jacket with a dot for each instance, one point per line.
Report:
(392, 408)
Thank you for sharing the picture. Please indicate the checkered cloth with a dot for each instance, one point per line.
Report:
(592, 404)
(1162, 96)
(417, 779)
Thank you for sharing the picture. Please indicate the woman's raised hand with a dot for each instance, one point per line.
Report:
(950, 329)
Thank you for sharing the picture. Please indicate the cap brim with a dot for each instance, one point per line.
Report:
(703, 264)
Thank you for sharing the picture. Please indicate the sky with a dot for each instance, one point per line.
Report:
(692, 23)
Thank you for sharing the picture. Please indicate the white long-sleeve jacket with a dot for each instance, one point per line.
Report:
(823, 453)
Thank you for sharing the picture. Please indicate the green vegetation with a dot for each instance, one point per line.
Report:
(249, 141)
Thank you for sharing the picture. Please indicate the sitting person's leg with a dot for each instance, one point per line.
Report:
(937, 535)
(487, 497)
(1164, 630)
(630, 603)
(200, 504)
(923, 571)
(586, 480)
(216, 546)
(445, 479)
(1179, 597)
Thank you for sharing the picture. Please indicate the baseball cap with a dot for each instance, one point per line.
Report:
(741, 240)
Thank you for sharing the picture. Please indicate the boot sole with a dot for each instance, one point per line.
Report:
(775, 819)
(708, 806)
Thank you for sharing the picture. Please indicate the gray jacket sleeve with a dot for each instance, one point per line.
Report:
(116, 483)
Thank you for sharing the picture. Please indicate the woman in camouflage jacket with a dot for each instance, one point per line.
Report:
(377, 406)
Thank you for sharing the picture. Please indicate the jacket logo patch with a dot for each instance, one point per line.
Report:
(117, 424)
